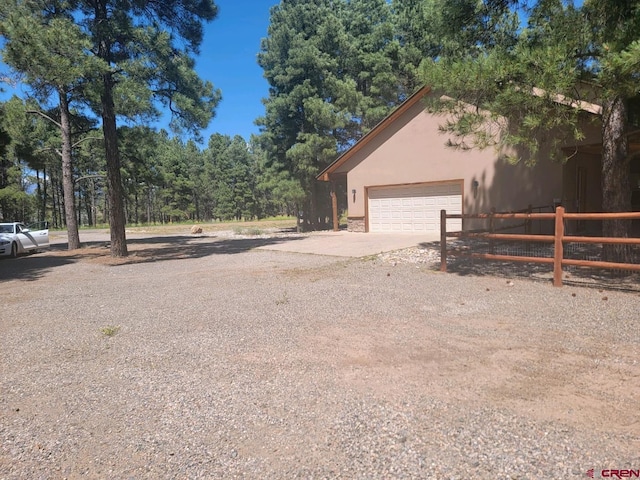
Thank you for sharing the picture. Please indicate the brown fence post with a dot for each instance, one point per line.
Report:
(492, 229)
(527, 222)
(443, 240)
(334, 207)
(558, 252)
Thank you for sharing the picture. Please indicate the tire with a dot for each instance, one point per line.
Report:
(14, 250)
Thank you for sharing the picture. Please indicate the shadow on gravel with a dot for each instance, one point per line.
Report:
(157, 249)
(30, 267)
(572, 276)
(181, 247)
(141, 250)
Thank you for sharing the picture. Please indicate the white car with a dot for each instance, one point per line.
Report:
(17, 238)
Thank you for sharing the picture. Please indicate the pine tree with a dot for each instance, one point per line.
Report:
(45, 46)
(141, 44)
(129, 56)
(565, 51)
(334, 72)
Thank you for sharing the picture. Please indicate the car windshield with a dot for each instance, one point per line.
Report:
(6, 228)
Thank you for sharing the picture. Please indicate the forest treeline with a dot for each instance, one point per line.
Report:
(164, 178)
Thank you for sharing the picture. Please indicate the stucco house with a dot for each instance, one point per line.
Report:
(401, 174)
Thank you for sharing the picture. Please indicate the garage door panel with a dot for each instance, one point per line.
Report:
(414, 208)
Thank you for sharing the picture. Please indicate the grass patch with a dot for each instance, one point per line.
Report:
(209, 226)
(110, 331)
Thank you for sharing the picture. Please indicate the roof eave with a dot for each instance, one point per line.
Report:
(325, 175)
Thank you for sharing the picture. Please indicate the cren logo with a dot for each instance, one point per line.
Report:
(613, 473)
(624, 473)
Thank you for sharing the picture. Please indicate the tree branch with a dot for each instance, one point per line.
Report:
(48, 149)
(85, 138)
(37, 112)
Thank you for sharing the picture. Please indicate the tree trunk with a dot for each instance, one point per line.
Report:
(39, 196)
(298, 214)
(334, 207)
(114, 179)
(149, 205)
(616, 187)
(88, 205)
(115, 193)
(67, 175)
(136, 218)
(4, 211)
(44, 192)
(313, 206)
(54, 203)
(93, 204)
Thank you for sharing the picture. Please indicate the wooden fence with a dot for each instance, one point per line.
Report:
(558, 239)
(526, 224)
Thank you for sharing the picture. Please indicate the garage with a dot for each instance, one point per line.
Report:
(414, 208)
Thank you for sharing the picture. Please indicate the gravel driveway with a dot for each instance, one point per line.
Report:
(209, 358)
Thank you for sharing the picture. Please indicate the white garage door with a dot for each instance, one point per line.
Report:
(414, 208)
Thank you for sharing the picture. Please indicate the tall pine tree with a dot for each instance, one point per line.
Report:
(335, 70)
(144, 55)
(44, 45)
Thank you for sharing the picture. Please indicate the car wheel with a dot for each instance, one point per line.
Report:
(14, 250)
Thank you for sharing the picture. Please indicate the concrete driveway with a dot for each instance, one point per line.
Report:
(350, 244)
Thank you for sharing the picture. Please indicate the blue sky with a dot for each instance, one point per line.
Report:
(228, 58)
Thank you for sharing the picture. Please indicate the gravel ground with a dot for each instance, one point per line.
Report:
(206, 358)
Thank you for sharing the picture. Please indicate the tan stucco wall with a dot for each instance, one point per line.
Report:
(412, 150)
